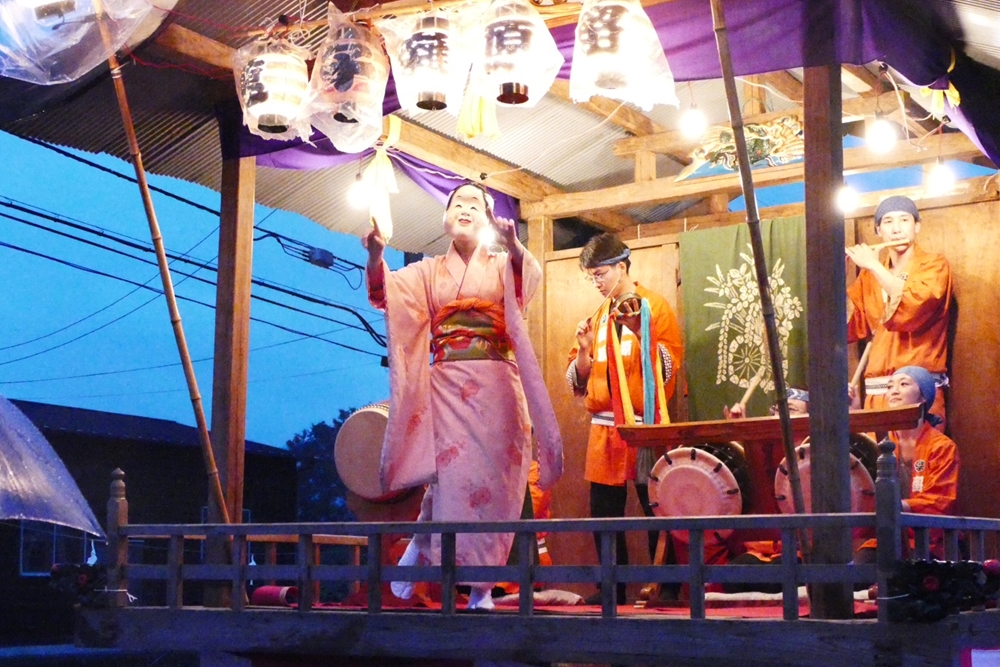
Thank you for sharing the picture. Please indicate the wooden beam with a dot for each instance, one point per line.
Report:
(866, 84)
(663, 190)
(969, 191)
(622, 115)
(672, 142)
(425, 144)
(540, 243)
(449, 154)
(190, 44)
(784, 84)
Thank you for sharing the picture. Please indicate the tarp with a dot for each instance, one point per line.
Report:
(34, 482)
(770, 35)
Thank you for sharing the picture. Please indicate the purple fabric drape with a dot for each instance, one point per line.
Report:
(765, 35)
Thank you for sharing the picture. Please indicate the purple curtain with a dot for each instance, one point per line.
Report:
(765, 35)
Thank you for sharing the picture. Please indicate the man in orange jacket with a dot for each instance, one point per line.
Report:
(606, 366)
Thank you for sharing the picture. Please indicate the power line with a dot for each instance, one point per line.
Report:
(138, 369)
(130, 179)
(184, 298)
(123, 240)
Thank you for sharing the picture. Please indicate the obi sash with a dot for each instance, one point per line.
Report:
(468, 329)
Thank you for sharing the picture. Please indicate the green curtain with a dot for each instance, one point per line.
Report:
(725, 343)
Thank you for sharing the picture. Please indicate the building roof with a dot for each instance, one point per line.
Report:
(62, 419)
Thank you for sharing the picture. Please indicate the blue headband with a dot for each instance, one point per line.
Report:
(614, 260)
(798, 394)
(928, 389)
(893, 204)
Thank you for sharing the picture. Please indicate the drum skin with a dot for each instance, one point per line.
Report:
(701, 480)
(864, 453)
(358, 452)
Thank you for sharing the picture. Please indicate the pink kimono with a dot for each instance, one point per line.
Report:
(463, 425)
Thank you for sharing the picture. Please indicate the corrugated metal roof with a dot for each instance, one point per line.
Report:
(61, 419)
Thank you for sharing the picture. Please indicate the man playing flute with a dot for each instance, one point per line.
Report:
(901, 302)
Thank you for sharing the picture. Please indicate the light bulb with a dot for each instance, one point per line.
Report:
(880, 135)
(359, 194)
(487, 236)
(693, 123)
(940, 179)
(847, 199)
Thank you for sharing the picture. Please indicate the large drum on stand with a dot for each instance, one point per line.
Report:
(709, 479)
(357, 454)
(864, 457)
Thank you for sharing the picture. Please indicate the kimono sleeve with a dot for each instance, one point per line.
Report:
(940, 480)
(925, 298)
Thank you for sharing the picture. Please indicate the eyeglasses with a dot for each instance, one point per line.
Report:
(597, 276)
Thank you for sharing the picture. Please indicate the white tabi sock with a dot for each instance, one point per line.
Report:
(404, 589)
(481, 598)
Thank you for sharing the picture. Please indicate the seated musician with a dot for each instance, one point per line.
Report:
(928, 459)
(760, 552)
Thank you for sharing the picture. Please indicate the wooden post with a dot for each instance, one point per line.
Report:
(304, 560)
(696, 558)
(175, 578)
(232, 326)
(645, 166)
(827, 317)
(888, 507)
(526, 569)
(117, 543)
(448, 579)
(375, 544)
(609, 575)
(539, 243)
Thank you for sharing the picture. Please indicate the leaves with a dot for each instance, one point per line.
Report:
(322, 494)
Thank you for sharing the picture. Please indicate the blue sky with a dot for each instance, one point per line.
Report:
(294, 382)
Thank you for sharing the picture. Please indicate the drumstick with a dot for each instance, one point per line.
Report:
(754, 382)
(862, 363)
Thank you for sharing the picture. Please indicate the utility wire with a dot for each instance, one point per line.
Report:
(130, 179)
(365, 325)
(153, 289)
(138, 369)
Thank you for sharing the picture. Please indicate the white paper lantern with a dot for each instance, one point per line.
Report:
(430, 59)
(617, 54)
(271, 81)
(348, 85)
(57, 41)
(520, 59)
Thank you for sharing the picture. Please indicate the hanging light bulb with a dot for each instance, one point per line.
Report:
(487, 236)
(693, 123)
(359, 192)
(612, 38)
(880, 135)
(520, 59)
(271, 80)
(847, 199)
(940, 179)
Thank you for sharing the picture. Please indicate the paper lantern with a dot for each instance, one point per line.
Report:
(57, 41)
(617, 54)
(348, 85)
(271, 81)
(520, 58)
(430, 59)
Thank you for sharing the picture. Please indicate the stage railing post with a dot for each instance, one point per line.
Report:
(888, 508)
(117, 543)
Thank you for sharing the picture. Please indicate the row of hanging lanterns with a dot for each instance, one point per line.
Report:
(438, 58)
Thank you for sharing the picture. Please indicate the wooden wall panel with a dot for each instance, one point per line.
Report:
(571, 299)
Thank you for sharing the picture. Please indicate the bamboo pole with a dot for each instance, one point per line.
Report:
(760, 264)
(862, 363)
(214, 484)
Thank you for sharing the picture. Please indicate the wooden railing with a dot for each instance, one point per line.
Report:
(888, 523)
